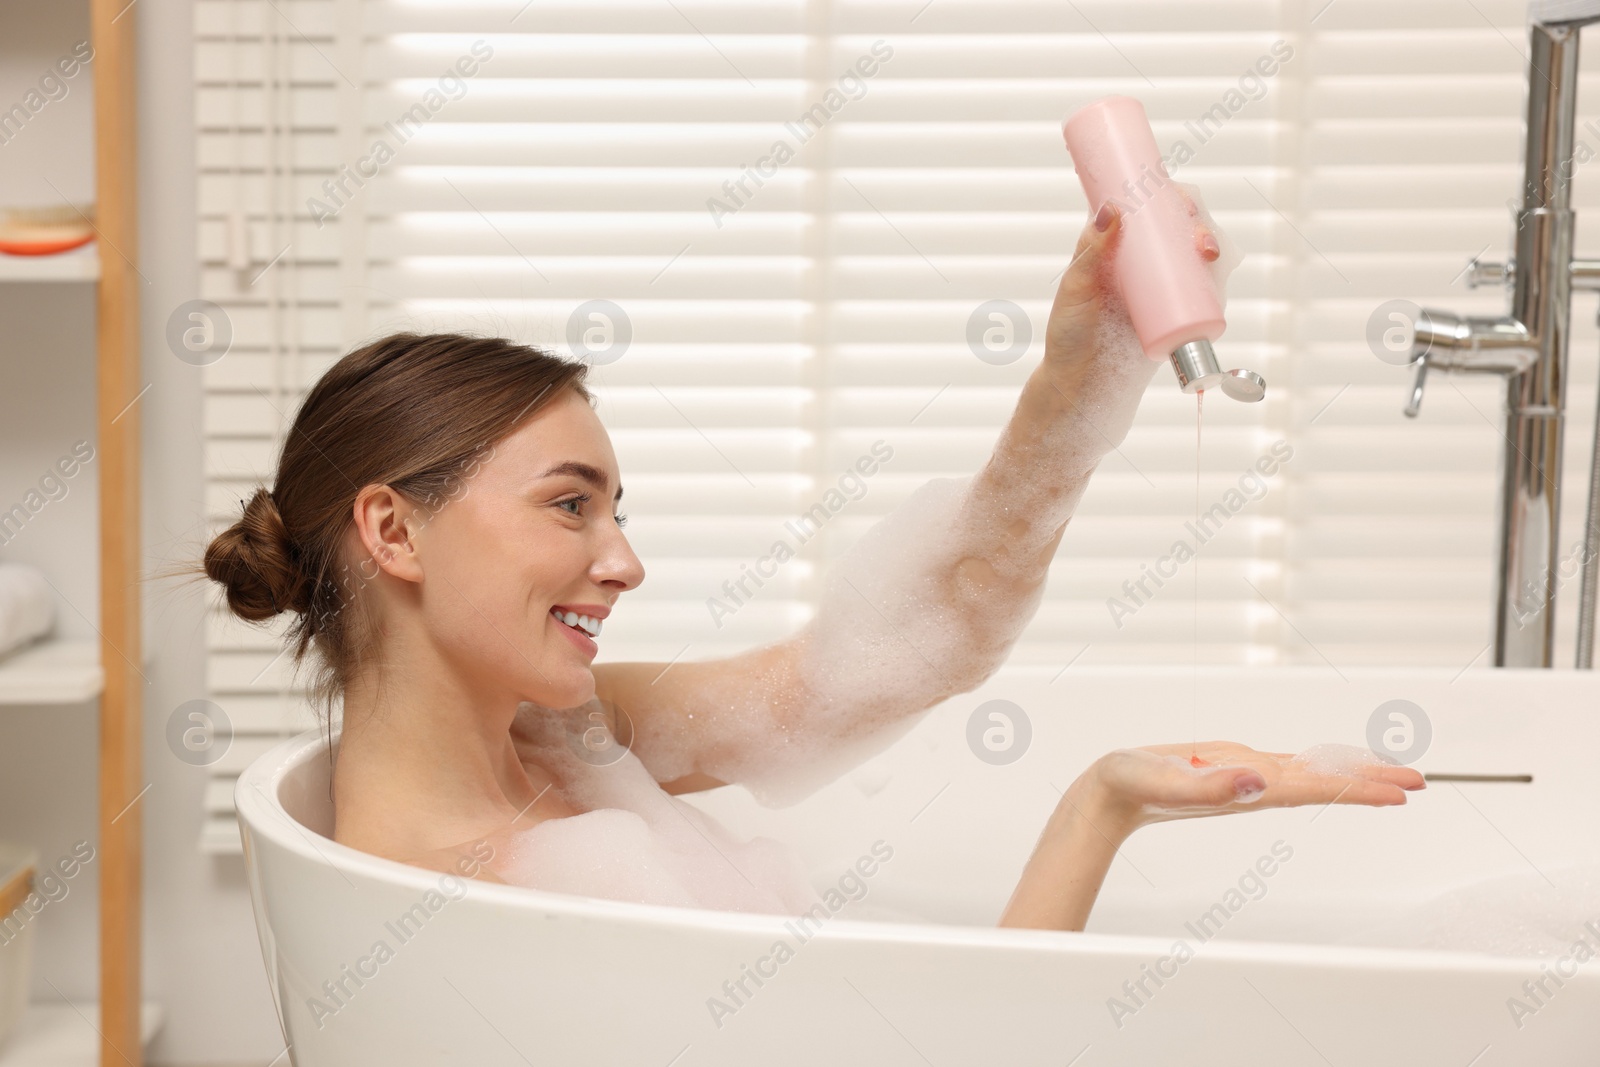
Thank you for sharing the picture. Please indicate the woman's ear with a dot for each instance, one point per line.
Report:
(382, 517)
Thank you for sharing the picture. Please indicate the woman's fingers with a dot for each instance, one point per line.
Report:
(1303, 787)
(1404, 777)
(1205, 241)
(1367, 791)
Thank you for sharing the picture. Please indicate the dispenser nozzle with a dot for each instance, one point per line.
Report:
(1196, 366)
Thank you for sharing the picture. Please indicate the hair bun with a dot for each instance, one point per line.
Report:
(255, 560)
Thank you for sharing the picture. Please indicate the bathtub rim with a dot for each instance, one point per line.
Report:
(260, 813)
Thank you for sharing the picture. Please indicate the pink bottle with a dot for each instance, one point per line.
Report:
(1169, 290)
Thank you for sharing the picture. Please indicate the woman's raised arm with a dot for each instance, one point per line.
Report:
(928, 603)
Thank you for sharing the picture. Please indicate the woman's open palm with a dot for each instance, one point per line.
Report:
(1160, 782)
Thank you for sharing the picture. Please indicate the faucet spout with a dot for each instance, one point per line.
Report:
(1497, 344)
(1472, 344)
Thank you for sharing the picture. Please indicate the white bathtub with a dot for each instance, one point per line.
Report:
(508, 976)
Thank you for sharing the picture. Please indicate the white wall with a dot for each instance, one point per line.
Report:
(202, 959)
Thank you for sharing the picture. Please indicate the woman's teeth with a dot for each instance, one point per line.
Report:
(582, 622)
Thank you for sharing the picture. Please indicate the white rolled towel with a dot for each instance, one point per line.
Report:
(27, 606)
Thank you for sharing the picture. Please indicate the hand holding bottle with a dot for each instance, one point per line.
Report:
(1092, 356)
(1174, 300)
(1088, 287)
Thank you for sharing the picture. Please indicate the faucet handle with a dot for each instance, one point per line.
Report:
(1414, 405)
(1486, 272)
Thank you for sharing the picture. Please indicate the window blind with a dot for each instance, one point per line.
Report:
(780, 232)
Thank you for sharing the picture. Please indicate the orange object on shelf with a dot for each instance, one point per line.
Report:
(45, 231)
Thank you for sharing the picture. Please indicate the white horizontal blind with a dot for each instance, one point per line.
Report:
(779, 332)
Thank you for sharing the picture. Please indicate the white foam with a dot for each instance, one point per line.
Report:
(1333, 759)
(1537, 914)
(637, 843)
(872, 776)
(898, 630)
(1112, 387)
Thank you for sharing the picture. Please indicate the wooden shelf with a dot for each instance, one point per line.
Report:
(111, 1033)
(64, 1035)
(52, 672)
(79, 265)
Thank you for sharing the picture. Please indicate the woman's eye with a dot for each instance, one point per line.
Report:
(622, 520)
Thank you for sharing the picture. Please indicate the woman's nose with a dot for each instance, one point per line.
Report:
(620, 564)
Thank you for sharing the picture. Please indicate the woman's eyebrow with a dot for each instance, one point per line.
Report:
(593, 475)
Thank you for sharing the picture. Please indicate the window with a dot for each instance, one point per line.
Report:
(772, 225)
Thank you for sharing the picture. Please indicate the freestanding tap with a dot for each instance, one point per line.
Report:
(1529, 348)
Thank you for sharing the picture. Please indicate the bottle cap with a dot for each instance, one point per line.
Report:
(1244, 385)
(1196, 366)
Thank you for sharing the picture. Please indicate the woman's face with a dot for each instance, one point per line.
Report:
(529, 531)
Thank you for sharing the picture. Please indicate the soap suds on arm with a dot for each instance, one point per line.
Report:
(895, 634)
(926, 605)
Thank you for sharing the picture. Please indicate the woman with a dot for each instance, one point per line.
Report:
(442, 524)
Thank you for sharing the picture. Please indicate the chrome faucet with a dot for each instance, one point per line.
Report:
(1528, 348)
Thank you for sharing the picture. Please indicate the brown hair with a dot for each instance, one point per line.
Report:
(411, 411)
